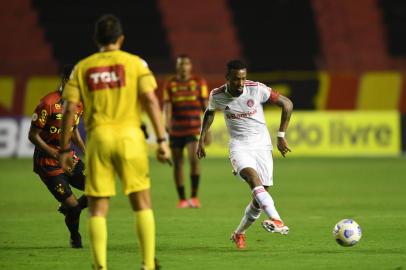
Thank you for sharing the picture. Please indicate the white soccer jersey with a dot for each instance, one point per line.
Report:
(244, 115)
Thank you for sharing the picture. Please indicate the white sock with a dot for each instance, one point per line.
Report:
(251, 214)
(265, 200)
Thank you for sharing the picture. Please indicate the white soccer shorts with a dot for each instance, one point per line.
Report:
(260, 160)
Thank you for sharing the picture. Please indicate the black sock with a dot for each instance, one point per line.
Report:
(181, 192)
(72, 220)
(195, 178)
(82, 202)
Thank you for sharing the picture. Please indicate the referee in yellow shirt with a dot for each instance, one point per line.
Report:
(113, 84)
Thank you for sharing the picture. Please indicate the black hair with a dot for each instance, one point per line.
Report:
(183, 55)
(235, 64)
(66, 71)
(107, 29)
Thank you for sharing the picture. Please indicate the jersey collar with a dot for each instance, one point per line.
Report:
(243, 92)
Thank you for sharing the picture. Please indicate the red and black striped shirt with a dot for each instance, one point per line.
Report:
(187, 99)
(48, 117)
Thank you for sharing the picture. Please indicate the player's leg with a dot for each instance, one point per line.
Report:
(98, 209)
(76, 180)
(265, 201)
(251, 214)
(99, 187)
(259, 192)
(59, 187)
(133, 169)
(72, 220)
(145, 225)
(73, 207)
(177, 154)
(194, 172)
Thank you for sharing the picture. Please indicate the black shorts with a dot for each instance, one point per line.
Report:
(59, 185)
(181, 141)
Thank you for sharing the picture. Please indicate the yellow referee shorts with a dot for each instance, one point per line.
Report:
(112, 151)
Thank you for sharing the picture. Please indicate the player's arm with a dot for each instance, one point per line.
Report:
(204, 104)
(208, 118)
(66, 133)
(208, 137)
(287, 108)
(168, 115)
(151, 106)
(35, 138)
(77, 139)
(147, 85)
(167, 106)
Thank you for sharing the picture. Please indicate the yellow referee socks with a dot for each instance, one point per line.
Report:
(98, 241)
(145, 227)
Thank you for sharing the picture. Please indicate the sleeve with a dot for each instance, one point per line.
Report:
(203, 89)
(146, 80)
(40, 115)
(71, 92)
(266, 94)
(212, 103)
(166, 91)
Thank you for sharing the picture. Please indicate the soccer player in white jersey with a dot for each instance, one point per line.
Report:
(241, 102)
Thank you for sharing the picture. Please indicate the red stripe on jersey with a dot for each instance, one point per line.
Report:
(250, 83)
(183, 93)
(218, 90)
(194, 131)
(187, 113)
(186, 122)
(188, 103)
(55, 172)
(273, 97)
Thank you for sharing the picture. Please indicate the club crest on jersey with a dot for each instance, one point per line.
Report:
(60, 189)
(34, 117)
(250, 103)
(103, 78)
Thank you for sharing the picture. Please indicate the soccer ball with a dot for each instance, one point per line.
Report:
(347, 232)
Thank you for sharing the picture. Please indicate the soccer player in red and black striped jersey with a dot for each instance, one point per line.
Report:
(185, 97)
(45, 135)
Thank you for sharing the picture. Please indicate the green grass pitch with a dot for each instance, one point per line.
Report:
(311, 194)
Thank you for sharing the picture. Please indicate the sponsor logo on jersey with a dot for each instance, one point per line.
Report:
(250, 103)
(43, 117)
(227, 108)
(103, 78)
(240, 115)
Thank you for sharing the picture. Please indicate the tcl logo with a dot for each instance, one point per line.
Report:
(104, 78)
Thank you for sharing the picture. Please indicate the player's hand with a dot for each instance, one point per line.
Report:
(54, 153)
(67, 163)
(200, 152)
(283, 146)
(163, 153)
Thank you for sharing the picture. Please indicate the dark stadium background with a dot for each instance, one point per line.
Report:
(341, 62)
(291, 45)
